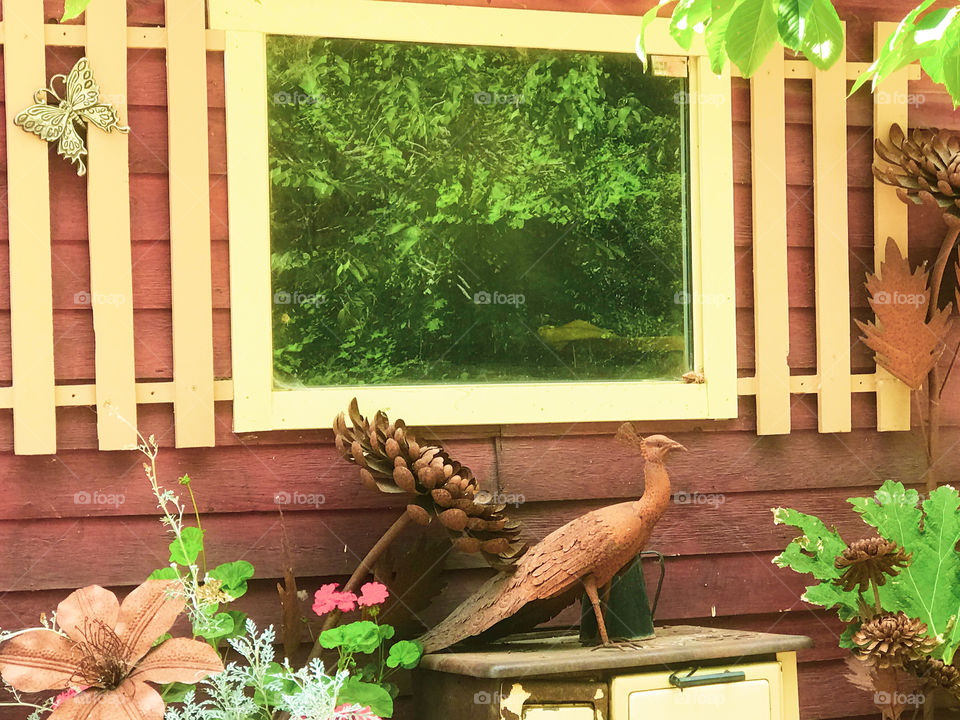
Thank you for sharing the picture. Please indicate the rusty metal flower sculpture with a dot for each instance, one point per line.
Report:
(870, 561)
(893, 640)
(924, 167)
(391, 460)
(108, 653)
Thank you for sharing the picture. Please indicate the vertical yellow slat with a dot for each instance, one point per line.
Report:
(28, 198)
(889, 220)
(108, 190)
(249, 199)
(771, 311)
(790, 690)
(717, 276)
(191, 282)
(830, 247)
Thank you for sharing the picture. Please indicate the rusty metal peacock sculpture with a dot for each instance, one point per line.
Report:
(588, 551)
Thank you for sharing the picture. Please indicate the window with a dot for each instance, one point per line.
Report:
(482, 215)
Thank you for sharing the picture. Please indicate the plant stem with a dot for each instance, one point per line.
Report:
(196, 514)
(934, 384)
(876, 597)
(363, 569)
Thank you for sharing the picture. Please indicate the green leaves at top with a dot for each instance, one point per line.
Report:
(751, 34)
(814, 553)
(928, 588)
(686, 17)
(822, 33)
(185, 549)
(913, 39)
(715, 33)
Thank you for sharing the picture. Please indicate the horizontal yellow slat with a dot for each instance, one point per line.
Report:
(148, 393)
(451, 24)
(808, 384)
(137, 37)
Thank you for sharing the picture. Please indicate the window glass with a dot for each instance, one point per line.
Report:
(445, 214)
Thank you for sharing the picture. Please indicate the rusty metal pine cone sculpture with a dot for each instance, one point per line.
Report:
(870, 560)
(392, 461)
(893, 640)
(924, 167)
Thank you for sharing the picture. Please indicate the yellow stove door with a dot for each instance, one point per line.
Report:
(757, 697)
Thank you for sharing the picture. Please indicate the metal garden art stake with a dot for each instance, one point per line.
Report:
(80, 105)
(911, 329)
(585, 553)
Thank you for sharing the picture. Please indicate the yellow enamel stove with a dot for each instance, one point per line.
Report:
(684, 673)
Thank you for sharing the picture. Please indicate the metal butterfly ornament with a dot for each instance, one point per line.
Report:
(81, 105)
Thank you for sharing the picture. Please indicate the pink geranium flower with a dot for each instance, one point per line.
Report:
(328, 598)
(372, 593)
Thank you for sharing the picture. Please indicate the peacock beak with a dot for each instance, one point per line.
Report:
(677, 446)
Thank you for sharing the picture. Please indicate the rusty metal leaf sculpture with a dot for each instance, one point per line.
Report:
(905, 343)
(392, 461)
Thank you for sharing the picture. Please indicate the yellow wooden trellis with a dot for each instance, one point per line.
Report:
(34, 396)
(834, 383)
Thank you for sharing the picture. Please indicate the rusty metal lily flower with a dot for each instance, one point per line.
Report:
(108, 650)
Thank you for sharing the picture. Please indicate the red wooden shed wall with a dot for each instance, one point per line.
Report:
(719, 569)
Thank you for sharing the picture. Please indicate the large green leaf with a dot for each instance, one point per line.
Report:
(715, 34)
(185, 549)
(73, 8)
(647, 18)
(751, 34)
(899, 50)
(789, 24)
(686, 17)
(929, 587)
(945, 67)
(822, 34)
(368, 695)
(814, 553)
(234, 576)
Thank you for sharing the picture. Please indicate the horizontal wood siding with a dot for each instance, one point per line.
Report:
(719, 546)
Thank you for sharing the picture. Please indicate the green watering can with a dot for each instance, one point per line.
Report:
(628, 615)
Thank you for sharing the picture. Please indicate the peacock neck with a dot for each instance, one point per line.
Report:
(656, 493)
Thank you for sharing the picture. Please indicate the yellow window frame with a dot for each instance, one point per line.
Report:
(258, 405)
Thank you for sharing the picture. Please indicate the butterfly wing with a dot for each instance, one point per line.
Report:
(104, 117)
(71, 147)
(48, 121)
(82, 90)
(83, 94)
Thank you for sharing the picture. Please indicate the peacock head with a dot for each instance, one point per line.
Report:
(654, 448)
(658, 447)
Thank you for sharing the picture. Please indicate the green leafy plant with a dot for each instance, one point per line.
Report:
(898, 592)
(205, 591)
(259, 688)
(745, 31)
